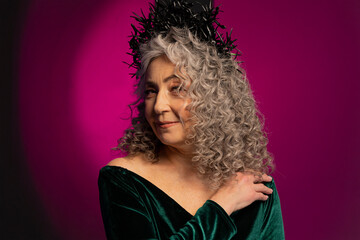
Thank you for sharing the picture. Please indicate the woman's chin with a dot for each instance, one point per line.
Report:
(172, 142)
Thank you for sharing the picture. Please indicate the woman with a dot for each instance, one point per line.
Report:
(197, 159)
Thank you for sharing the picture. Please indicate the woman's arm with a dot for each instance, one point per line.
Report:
(273, 227)
(126, 216)
(242, 190)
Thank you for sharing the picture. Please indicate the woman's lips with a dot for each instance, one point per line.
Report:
(166, 124)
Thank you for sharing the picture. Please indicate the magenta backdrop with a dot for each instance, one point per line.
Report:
(302, 59)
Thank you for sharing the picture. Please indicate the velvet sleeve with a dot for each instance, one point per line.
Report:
(130, 217)
(272, 227)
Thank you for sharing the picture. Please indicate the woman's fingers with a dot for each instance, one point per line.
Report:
(266, 178)
(258, 177)
(262, 197)
(261, 191)
(254, 177)
(259, 187)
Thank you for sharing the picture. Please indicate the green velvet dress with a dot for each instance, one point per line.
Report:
(134, 208)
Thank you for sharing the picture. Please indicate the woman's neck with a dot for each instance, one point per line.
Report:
(179, 160)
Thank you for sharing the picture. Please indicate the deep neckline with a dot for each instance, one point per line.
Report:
(151, 184)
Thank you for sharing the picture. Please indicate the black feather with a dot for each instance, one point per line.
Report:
(162, 16)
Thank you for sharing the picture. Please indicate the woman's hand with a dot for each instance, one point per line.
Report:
(242, 190)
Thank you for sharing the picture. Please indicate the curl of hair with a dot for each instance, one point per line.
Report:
(228, 131)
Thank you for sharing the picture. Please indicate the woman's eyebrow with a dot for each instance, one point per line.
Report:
(169, 78)
(151, 83)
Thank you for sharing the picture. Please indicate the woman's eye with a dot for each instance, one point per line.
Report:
(174, 88)
(178, 88)
(149, 92)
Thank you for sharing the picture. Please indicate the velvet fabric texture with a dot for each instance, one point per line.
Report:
(134, 208)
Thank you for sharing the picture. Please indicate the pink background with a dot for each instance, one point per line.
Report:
(302, 60)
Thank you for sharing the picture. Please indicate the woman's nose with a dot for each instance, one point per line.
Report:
(161, 103)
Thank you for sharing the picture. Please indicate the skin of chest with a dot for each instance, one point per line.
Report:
(191, 194)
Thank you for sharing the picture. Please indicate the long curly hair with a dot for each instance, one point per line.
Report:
(227, 133)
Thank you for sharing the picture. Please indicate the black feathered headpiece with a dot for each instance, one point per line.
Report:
(178, 13)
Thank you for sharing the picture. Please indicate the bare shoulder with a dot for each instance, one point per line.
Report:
(133, 163)
(124, 162)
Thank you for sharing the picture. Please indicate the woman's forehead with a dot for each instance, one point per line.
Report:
(160, 67)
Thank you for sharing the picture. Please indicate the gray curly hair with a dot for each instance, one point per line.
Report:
(228, 132)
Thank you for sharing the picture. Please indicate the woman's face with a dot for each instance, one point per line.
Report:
(165, 107)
